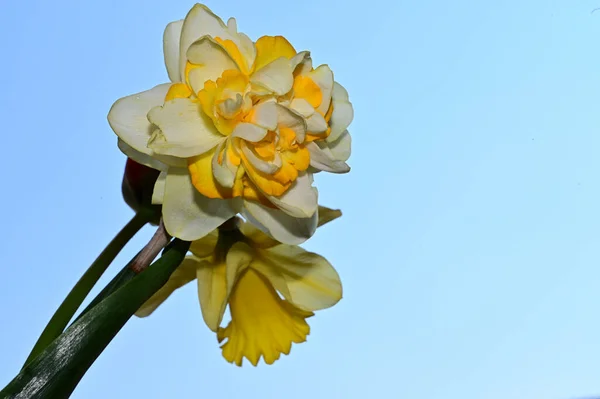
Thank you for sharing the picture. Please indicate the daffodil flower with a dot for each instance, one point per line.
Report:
(271, 289)
(241, 128)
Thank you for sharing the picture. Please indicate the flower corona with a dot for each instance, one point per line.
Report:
(270, 288)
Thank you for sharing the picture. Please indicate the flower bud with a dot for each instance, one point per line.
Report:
(138, 185)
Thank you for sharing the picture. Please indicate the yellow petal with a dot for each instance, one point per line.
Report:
(178, 90)
(286, 174)
(305, 279)
(262, 324)
(215, 95)
(185, 273)
(305, 88)
(322, 76)
(238, 258)
(212, 292)
(326, 215)
(265, 182)
(266, 147)
(235, 53)
(200, 168)
(257, 237)
(269, 48)
(251, 193)
(299, 157)
(205, 246)
(206, 96)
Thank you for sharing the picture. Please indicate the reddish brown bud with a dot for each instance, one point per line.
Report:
(138, 184)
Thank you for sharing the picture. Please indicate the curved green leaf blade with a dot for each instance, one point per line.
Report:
(75, 298)
(56, 372)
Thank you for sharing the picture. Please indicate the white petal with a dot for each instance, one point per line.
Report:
(341, 148)
(316, 123)
(343, 113)
(302, 62)
(323, 77)
(249, 132)
(259, 91)
(339, 92)
(292, 120)
(302, 107)
(323, 159)
(184, 130)
(300, 200)
(247, 48)
(232, 25)
(212, 292)
(231, 105)
(139, 157)
(263, 166)
(189, 215)
(222, 173)
(154, 161)
(213, 60)
(264, 115)
(159, 188)
(243, 42)
(185, 273)
(276, 76)
(128, 117)
(199, 22)
(281, 226)
(304, 278)
(171, 49)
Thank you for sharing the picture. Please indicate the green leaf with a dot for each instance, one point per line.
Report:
(56, 372)
(117, 282)
(75, 298)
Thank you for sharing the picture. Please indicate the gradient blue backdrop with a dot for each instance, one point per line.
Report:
(469, 248)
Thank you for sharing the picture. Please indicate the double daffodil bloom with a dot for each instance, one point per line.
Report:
(241, 128)
(251, 272)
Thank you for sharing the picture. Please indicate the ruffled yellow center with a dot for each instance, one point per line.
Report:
(256, 168)
(226, 101)
(262, 324)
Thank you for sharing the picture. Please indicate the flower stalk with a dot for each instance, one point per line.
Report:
(136, 265)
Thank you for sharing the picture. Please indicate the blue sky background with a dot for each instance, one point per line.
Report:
(469, 247)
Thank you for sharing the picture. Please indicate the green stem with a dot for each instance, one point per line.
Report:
(73, 301)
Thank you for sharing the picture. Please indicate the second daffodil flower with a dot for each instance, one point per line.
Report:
(270, 287)
(241, 128)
